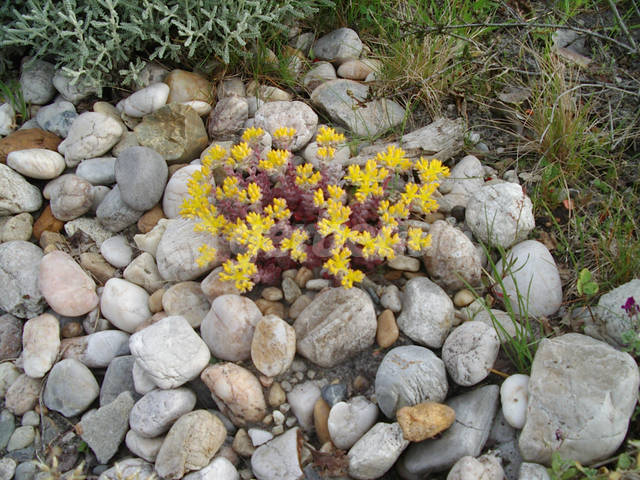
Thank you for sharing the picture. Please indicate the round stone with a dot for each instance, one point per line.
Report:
(37, 163)
(70, 388)
(117, 251)
(141, 174)
(124, 304)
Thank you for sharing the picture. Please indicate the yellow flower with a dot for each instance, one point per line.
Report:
(326, 153)
(275, 159)
(278, 209)
(351, 276)
(230, 190)
(390, 213)
(241, 151)
(252, 233)
(254, 193)
(367, 180)
(327, 136)
(295, 244)
(239, 271)
(318, 198)
(384, 242)
(215, 156)
(336, 193)
(339, 261)
(417, 239)
(252, 133)
(207, 255)
(394, 158)
(304, 177)
(284, 133)
(430, 171)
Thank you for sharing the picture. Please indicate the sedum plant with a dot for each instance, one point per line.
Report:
(276, 214)
(97, 41)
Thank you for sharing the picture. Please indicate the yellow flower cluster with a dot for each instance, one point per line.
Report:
(254, 232)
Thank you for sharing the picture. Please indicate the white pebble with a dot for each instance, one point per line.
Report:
(117, 251)
(514, 397)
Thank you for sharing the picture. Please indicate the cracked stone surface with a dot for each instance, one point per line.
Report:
(601, 385)
(91, 135)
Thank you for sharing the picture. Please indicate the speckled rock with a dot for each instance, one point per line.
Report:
(16, 194)
(273, 345)
(338, 46)
(229, 326)
(10, 337)
(178, 250)
(452, 260)
(40, 344)
(91, 135)
(19, 269)
(336, 325)
(228, 117)
(36, 81)
(298, 115)
(376, 452)
(237, 392)
(532, 274)
(486, 467)
(66, 287)
(425, 420)
(500, 214)
(470, 351)
(23, 394)
(57, 117)
(156, 411)
(170, 351)
(602, 383)
(409, 375)
(70, 388)
(70, 197)
(427, 312)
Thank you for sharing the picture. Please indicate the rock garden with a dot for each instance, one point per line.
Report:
(220, 273)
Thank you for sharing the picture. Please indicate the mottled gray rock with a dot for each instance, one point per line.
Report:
(37, 163)
(486, 467)
(532, 274)
(338, 46)
(170, 351)
(469, 352)
(602, 385)
(73, 89)
(176, 190)
(178, 250)
(16, 194)
(104, 429)
(146, 100)
(616, 320)
(174, 131)
(466, 437)
(336, 325)
(452, 260)
(7, 427)
(190, 444)
(141, 174)
(427, 312)
(70, 388)
(409, 375)
(102, 347)
(279, 459)
(98, 171)
(441, 139)
(228, 116)
(464, 180)
(36, 81)
(500, 214)
(229, 325)
(57, 117)
(40, 344)
(345, 103)
(319, 73)
(10, 338)
(91, 134)
(298, 115)
(7, 468)
(142, 447)
(114, 214)
(129, 468)
(21, 438)
(219, 469)
(89, 226)
(117, 379)
(376, 452)
(19, 270)
(157, 410)
(302, 399)
(348, 421)
(186, 299)
(70, 197)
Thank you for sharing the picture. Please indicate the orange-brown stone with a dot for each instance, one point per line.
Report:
(46, 222)
(28, 138)
(149, 219)
(425, 420)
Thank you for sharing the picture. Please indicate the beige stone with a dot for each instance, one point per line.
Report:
(188, 86)
(273, 346)
(155, 300)
(238, 390)
(463, 297)
(242, 444)
(320, 420)
(97, 266)
(303, 275)
(387, 332)
(277, 396)
(425, 420)
(22, 395)
(66, 287)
